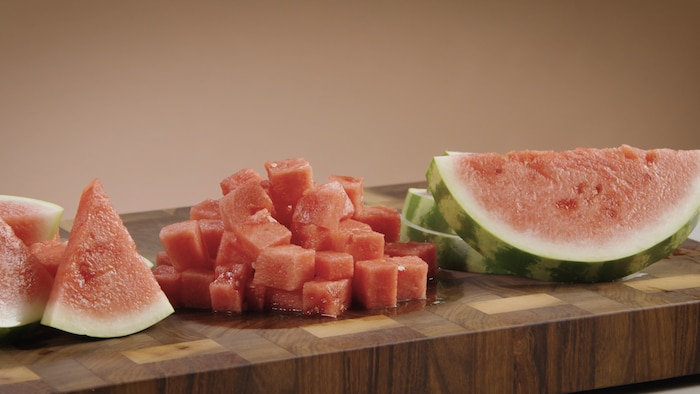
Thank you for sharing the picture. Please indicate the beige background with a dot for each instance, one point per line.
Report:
(161, 100)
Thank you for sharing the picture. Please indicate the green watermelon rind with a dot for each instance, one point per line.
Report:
(525, 264)
(419, 208)
(452, 252)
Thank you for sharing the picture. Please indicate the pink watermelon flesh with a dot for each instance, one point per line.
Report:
(411, 283)
(284, 267)
(327, 298)
(103, 288)
(24, 283)
(375, 283)
(48, 253)
(32, 220)
(596, 206)
(332, 265)
(184, 244)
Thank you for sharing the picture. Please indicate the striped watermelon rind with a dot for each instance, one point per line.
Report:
(452, 252)
(539, 266)
(419, 208)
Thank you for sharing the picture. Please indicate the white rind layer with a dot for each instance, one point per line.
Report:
(66, 318)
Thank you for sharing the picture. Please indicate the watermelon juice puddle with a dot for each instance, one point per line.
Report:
(278, 319)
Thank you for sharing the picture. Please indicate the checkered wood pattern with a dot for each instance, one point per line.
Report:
(484, 333)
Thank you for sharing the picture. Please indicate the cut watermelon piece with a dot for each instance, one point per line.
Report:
(326, 297)
(353, 187)
(324, 205)
(426, 251)
(195, 292)
(584, 215)
(24, 283)
(284, 267)
(411, 283)
(32, 220)
(381, 219)
(185, 245)
(375, 284)
(212, 230)
(332, 265)
(227, 291)
(243, 202)
(253, 238)
(206, 209)
(284, 300)
(48, 253)
(311, 236)
(366, 245)
(237, 178)
(103, 288)
(230, 252)
(170, 282)
(289, 179)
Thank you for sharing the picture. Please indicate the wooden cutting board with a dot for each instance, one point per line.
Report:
(475, 333)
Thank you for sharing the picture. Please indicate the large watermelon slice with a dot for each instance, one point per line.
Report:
(103, 288)
(24, 284)
(32, 220)
(583, 215)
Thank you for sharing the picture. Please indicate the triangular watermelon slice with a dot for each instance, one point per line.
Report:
(103, 288)
(24, 284)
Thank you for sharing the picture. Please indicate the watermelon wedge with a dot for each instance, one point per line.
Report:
(24, 284)
(584, 215)
(103, 288)
(32, 220)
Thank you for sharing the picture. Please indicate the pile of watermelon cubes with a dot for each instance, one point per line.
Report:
(286, 243)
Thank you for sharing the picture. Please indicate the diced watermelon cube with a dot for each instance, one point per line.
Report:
(382, 219)
(332, 265)
(340, 237)
(425, 250)
(311, 236)
(327, 298)
(195, 287)
(170, 282)
(353, 187)
(256, 297)
(229, 252)
(162, 258)
(284, 300)
(324, 205)
(225, 297)
(374, 284)
(366, 245)
(212, 230)
(244, 201)
(183, 243)
(237, 178)
(241, 273)
(284, 267)
(412, 279)
(289, 179)
(253, 238)
(206, 209)
(227, 291)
